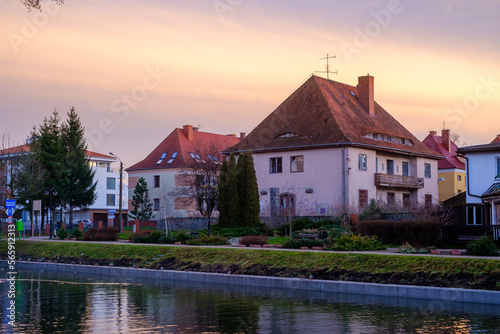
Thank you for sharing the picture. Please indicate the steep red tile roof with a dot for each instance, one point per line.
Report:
(177, 141)
(496, 140)
(434, 142)
(326, 113)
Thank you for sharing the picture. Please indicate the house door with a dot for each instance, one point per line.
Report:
(287, 203)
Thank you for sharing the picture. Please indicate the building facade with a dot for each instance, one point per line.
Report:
(483, 183)
(167, 170)
(329, 149)
(451, 170)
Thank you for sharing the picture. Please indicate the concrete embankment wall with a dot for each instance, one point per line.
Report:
(391, 290)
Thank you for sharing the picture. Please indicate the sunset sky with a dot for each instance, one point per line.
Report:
(135, 70)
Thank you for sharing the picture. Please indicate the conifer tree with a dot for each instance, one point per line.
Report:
(252, 210)
(79, 186)
(228, 194)
(248, 192)
(143, 208)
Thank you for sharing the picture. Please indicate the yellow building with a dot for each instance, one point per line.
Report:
(451, 171)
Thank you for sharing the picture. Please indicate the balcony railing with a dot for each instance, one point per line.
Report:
(398, 181)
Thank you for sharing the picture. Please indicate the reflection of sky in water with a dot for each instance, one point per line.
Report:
(64, 303)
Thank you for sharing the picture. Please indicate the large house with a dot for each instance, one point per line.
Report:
(483, 183)
(329, 148)
(166, 170)
(451, 170)
(107, 189)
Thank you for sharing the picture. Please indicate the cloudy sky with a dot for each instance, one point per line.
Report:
(135, 70)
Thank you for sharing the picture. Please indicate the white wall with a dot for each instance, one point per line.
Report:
(322, 173)
(482, 172)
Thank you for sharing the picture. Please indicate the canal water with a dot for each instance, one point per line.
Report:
(76, 303)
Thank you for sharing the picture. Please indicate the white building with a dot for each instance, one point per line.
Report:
(329, 148)
(483, 183)
(107, 175)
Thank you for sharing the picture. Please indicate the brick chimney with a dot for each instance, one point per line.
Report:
(366, 94)
(445, 139)
(243, 135)
(188, 131)
(433, 133)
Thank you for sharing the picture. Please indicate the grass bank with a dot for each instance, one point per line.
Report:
(390, 269)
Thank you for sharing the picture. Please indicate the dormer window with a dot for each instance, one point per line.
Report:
(163, 156)
(288, 135)
(172, 158)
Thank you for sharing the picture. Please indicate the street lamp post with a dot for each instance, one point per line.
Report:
(51, 192)
(212, 185)
(120, 196)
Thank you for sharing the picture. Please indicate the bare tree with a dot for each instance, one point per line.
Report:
(202, 171)
(37, 4)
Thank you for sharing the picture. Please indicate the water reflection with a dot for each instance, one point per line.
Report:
(64, 303)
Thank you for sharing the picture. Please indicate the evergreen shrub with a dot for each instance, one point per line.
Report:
(482, 247)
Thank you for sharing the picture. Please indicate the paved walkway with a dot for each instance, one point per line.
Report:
(388, 251)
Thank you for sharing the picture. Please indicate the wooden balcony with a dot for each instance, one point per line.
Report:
(398, 181)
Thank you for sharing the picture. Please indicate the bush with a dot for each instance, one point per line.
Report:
(331, 231)
(213, 240)
(482, 247)
(297, 243)
(353, 242)
(417, 233)
(76, 233)
(102, 234)
(155, 235)
(253, 240)
(182, 236)
(62, 233)
(239, 231)
(164, 239)
(306, 223)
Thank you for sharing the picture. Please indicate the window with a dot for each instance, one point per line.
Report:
(275, 165)
(362, 161)
(163, 155)
(427, 171)
(172, 158)
(297, 164)
(363, 198)
(156, 204)
(390, 166)
(459, 177)
(111, 183)
(474, 215)
(428, 200)
(406, 200)
(156, 181)
(498, 168)
(406, 168)
(110, 199)
(391, 198)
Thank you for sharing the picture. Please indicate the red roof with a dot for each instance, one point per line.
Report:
(435, 142)
(99, 155)
(496, 140)
(326, 113)
(178, 141)
(15, 149)
(26, 148)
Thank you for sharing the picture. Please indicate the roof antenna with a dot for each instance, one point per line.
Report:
(327, 66)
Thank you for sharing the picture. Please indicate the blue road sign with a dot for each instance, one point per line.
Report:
(10, 203)
(111, 211)
(10, 212)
